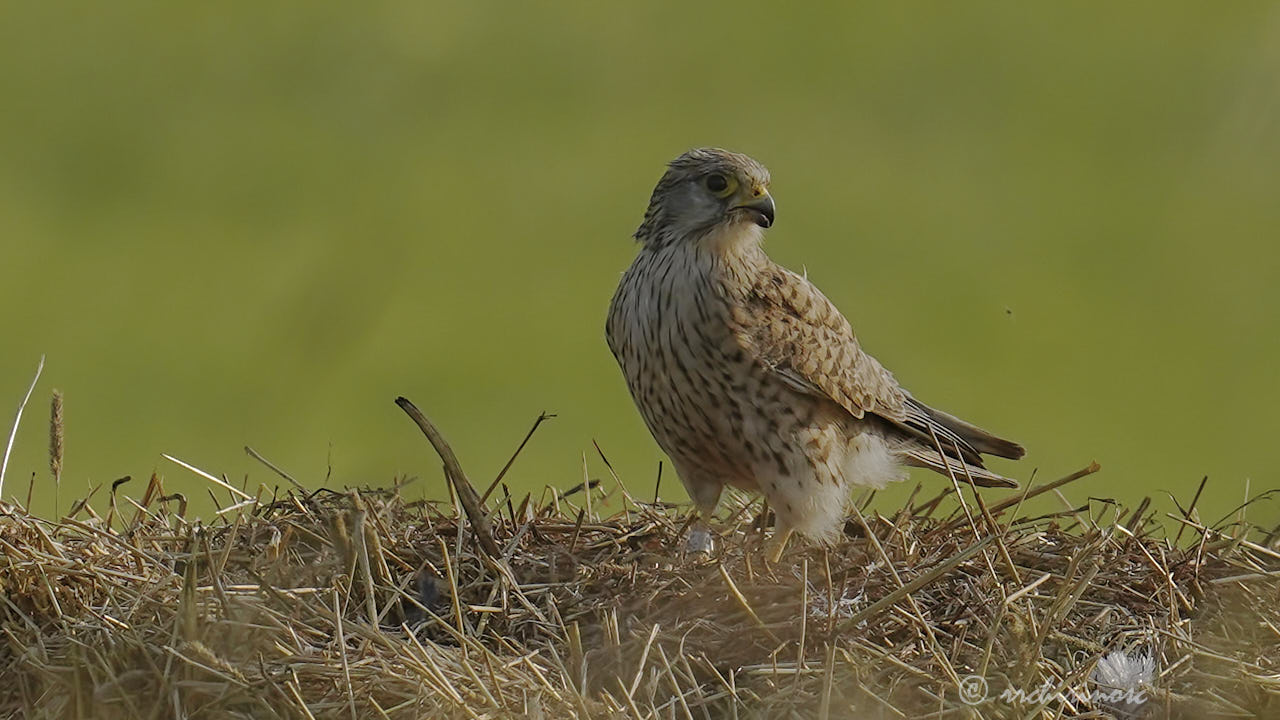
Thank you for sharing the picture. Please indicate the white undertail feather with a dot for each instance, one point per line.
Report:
(871, 462)
(818, 508)
(817, 513)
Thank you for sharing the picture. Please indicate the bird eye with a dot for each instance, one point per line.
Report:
(719, 184)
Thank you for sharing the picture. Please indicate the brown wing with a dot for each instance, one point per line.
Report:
(796, 332)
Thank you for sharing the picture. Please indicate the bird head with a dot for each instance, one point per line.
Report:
(705, 190)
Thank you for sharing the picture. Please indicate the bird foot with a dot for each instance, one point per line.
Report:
(699, 542)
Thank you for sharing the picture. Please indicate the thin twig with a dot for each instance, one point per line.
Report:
(542, 417)
(258, 456)
(471, 503)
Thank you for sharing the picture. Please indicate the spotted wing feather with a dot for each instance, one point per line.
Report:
(796, 332)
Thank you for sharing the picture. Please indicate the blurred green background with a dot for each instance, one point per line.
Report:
(248, 223)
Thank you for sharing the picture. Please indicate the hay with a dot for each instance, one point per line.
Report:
(362, 605)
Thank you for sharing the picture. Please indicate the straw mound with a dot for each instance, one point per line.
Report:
(360, 605)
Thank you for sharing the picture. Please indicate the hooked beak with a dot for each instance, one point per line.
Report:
(759, 208)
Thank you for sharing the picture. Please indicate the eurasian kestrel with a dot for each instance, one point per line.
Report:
(749, 377)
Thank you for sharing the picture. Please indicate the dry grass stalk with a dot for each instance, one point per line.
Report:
(56, 433)
(17, 420)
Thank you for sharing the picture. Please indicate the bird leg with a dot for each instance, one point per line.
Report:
(705, 496)
(777, 543)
